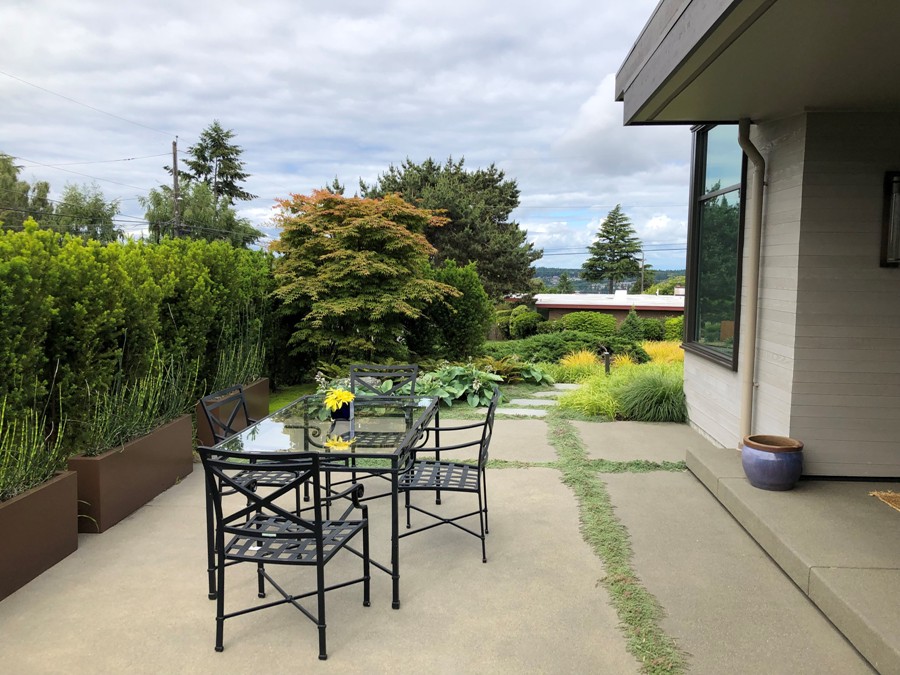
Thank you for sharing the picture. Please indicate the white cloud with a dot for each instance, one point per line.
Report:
(318, 90)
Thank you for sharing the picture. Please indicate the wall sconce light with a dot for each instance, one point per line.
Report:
(890, 231)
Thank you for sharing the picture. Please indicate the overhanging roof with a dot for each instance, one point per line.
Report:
(721, 60)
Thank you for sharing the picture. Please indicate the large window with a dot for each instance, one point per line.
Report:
(715, 237)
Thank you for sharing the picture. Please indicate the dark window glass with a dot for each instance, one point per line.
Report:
(715, 234)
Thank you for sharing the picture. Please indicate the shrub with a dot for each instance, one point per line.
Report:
(523, 324)
(633, 350)
(674, 329)
(550, 327)
(664, 352)
(462, 321)
(595, 323)
(547, 347)
(653, 329)
(502, 317)
(631, 328)
(654, 393)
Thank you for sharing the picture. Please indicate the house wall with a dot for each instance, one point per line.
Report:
(846, 396)
(828, 345)
(712, 391)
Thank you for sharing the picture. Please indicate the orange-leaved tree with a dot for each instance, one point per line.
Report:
(351, 272)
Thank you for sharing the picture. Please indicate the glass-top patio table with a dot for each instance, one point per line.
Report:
(383, 431)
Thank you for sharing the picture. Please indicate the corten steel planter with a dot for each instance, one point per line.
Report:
(38, 528)
(257, 396)
(117, 483)
(772, 462)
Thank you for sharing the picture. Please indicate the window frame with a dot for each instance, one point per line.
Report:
(697, 197)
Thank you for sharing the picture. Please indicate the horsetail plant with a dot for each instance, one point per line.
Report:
(31, 450)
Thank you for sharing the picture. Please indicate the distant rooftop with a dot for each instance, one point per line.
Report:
(617, 300)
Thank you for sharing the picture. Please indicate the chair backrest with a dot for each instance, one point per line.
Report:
(383, 380)
(488, 428)
(225, 474)
(226, 412)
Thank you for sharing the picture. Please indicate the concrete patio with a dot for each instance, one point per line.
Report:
(134, 598)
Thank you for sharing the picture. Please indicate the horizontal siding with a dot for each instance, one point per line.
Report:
(713, 399)
(846, 394)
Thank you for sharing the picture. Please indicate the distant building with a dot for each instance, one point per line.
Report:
(618, 304)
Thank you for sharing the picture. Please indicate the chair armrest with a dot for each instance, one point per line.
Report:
(354, 493)
(460, 427)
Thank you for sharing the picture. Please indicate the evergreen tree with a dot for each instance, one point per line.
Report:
(216, 161)
(565, 284)
(615, 251)
(477, 205)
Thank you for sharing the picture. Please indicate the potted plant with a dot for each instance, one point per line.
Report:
(772, 462)
(338, 397)
(140, 442)
(242, 358)
(38, 500)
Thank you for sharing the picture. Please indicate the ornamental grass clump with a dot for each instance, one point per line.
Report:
(578, 366)
(664, 351)
(31, 451)
(653, 393)
(596, 398)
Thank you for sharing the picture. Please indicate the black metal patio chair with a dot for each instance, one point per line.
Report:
(227, 414)
(267, 534)
(384, 380)
(440, 475)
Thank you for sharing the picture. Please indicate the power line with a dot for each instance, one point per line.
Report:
(105, 161)
(78, 173)
(72, 100)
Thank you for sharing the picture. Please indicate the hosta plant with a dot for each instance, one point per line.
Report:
(459, 383)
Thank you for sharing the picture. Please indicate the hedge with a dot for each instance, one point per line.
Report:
(74, 312)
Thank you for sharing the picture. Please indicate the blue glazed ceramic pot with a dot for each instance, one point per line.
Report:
(772, 462)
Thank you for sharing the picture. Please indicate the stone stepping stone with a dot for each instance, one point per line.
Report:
(529, 402)
(523, 412)
(566, 387)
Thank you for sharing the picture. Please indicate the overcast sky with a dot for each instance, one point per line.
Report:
(315, 90)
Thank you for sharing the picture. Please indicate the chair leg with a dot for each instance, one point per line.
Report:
(406, 496)
(482, 518)
(261, 580)
(484, 483)
(366, 584)
(210, 547)
(220, 603)
(320, 622)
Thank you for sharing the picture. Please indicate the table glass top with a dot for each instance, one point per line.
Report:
(377, 426)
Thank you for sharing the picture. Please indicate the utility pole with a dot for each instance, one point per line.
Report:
(176, 196)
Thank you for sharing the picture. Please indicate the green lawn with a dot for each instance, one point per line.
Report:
(285, 395)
